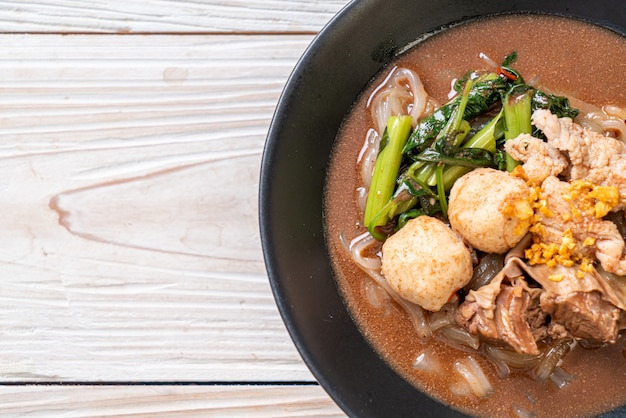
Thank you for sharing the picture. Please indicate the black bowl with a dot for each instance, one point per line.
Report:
(341, 60)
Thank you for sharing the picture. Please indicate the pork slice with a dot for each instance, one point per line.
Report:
(505, 311)
(586, 315)
(592, 156)
(540, 159)
(513, 306)
(607, 242)
(588, 307)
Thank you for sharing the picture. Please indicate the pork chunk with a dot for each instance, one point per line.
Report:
(588, 306)
(597, 158)
(506, 311)
(540, 159)
(590, 236)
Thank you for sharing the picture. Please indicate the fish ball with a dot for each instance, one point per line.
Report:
(491, 209)
(426, 262)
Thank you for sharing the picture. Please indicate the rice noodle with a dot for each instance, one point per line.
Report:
(615, 111)
(415, 312)
(427, 361)
(615, 127)
(376, 295)
(356, 248)
(552, 359)
(442, 318)
(590, 124)
(367, 156)
(461, 389)
(455, 335)
(475, 377)
(561, 378)
(401, 93)
(491, 64)
(523, 413)
(608, 120)
(512, 358)
(361, 198)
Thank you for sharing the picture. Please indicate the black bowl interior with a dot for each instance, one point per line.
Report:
(352, 48)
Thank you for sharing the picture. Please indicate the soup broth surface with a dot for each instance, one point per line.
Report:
(570, 57)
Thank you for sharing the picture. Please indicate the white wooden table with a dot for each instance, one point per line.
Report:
(132, 277)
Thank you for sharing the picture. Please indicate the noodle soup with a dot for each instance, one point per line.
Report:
(568, 57)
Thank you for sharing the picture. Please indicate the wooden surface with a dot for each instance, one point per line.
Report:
(132, 275)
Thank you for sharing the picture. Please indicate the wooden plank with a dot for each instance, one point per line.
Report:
(166, 16)
(130, 248)
(168, 401)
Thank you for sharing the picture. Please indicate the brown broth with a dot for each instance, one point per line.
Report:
(571, 57)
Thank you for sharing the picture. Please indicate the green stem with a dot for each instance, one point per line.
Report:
(517, 117)
(485, 139)
(387, 166)
(443, 202)
(451, 135)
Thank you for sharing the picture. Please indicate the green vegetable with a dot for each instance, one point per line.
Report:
(557, 105)
(387, 165)
(428, 205)
(517, 112)
(443, 202)
(484, 140)
(401, 202)
(509, 59)
(449, 137)
(407, 195)
(486, 90)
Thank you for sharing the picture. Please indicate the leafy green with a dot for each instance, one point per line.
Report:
(557, 105)
(516, 105)
(509, 59)
(484, 140)
(485, 92)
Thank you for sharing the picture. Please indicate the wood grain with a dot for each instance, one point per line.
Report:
(130, 247)
(167, 401)
(166, 16)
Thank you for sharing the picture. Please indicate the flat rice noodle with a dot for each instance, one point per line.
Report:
(512, 358)
(443, 317)
(427, 361)
(367, 156)
(401, 93)
(474, 376)
(523, 413)
(415, 312)
(376, 295)
(561, 378)
(551, 360)
(455, 335)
